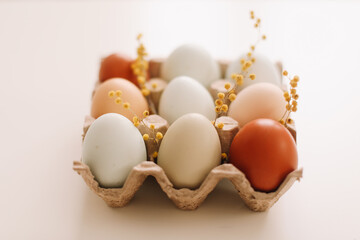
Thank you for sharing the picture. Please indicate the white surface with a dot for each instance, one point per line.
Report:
(49, 56)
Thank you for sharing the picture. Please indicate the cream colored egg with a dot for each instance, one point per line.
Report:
(185, 95)
(189, 150)
(264, 69)
(260, 100)
(193, 61)
(112, 147)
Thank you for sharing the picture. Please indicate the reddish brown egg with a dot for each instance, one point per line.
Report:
(265, 152)
(116, 66)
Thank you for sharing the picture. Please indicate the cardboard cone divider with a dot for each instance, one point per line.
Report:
(185, 198)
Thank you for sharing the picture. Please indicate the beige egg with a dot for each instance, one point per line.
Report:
(260, 100)
(189, 150)
(102, 103)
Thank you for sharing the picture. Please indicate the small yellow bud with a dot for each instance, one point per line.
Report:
(232, 97)
(282, 121)
(242, 61)
(118, 93)
(135, 119)
(154, 85)
(223, 155)
(227, 86)
(296, 96)
(240, 82)
(253, 60)
(118, 100)
(224, 108)
(251, 12)
(294, 109)
(248, 64)
(293, 91)
(145, 92)
(146, 136)
(136, 123)
(286, 94)
(287, 98)
(141, 80)
(233, 76)
(220, 125)
(217, 109)
(296, 78)
(258, 20)
(289, 121)
(152, 126)
(249, 54)
(252, 76)
(252, 47)
(111, 94)
(155, 154)
(146, 113)
(256, 25)
(159, 135)
(293, 83)
(218, 102)
(285, 73)
(264, 37)
(139, 36)
(288, 107)
(221, 95)
(294, 103)
(213, 122)
(126, 105)
(136, 71)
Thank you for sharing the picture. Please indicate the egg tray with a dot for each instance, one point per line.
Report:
(184, 198)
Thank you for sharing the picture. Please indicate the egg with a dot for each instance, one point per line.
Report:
(116, 66)
(260, 100)
(102, 103)
(189, 150)
(111, 148)
(263, 68)
(193, 61)
(265, 152)
(185, 95)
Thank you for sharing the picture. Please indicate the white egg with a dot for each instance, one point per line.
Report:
(193, 61)
(189, 150)
(111, 148)
(185, 95)
(264, 69)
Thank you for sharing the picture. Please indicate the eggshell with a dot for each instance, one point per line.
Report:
(111, 148)
(260, 100)
(115, 66)
(265, 152)
(185, 95)
(264, 69)
(189, 150)
(102, 103)
(193, 61)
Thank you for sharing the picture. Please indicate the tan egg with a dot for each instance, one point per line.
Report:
(102, 103)
(260, 100)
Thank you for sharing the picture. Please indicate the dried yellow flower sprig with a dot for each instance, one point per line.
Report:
(220, 103)
(156, 136)
(140, 68)
(291, 98)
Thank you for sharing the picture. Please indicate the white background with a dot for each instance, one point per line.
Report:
(49, 59)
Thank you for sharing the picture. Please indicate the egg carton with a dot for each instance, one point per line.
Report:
(186, 199)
